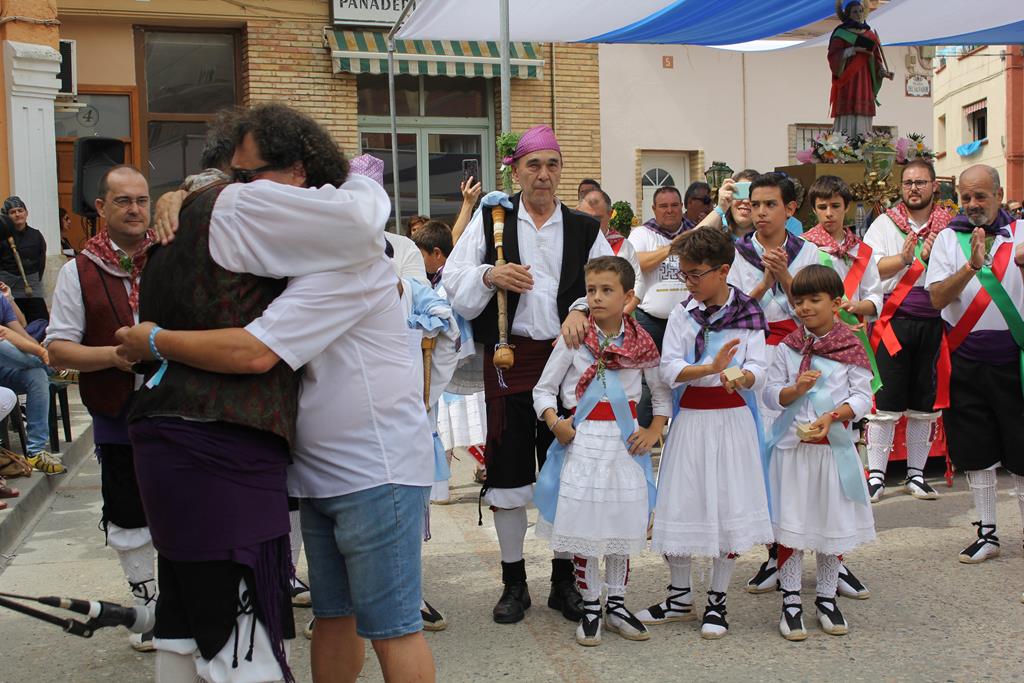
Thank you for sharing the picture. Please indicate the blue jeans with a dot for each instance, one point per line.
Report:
(363, 551)
(656, 328)
(33, 382)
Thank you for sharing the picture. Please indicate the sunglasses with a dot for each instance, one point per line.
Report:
(247, 175)
(704, 200)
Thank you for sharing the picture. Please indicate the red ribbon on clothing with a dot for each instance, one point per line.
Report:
(882, 330)
(778, 331)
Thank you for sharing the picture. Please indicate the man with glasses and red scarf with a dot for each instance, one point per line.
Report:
(908, 332)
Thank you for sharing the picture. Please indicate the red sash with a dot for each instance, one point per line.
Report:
(954, 337)
(778, 331)
(882, 331)
(603, 411)
(710, 398)
(616, 246)
(860, 264)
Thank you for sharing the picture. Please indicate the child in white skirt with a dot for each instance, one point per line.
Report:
(821, 379)
(602, 489)
(712, 500)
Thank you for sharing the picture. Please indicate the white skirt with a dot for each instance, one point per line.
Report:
(461, 420)
(711, 492)
(809, 509)
(602, 496)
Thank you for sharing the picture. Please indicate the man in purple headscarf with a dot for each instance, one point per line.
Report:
(546, 245)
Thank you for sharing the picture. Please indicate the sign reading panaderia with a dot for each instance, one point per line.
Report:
(367, 12)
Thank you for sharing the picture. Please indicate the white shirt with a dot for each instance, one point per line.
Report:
(886, 239)
(408, 260)
(565, 366)
(361, 420)
(681, 335)
(662, 288)
(948, 257)
(745, 277)
(275, 230)
(536, 314)
(870, 288)
(628, 252)
(850, 384)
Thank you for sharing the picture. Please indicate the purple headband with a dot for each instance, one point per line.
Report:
(534, 140)
(369, 166)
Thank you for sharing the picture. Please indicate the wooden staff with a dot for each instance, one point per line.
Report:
(21, 268)
(427, 347)
(504, 358)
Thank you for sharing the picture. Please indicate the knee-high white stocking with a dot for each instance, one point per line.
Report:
(880, 438)
(721, 572)
(828, 575)
(919, 443)
(616, 574)
(983, 486)
(510, 525)
(588, 577)
(679, 570)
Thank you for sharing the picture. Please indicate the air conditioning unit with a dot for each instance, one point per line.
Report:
(68, 74)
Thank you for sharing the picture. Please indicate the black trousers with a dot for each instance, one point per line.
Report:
(523, 447)
(985, 420)
(908, 378)
(122, 504)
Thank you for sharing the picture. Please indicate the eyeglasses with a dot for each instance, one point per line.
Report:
(125, 202)
(695, 278)
(918, 184)
(247, 175)
(704, 200)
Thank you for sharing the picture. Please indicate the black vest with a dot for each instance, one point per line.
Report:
(578, 234)
(183, 288)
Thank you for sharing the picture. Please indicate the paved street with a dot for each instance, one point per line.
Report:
(930, 618)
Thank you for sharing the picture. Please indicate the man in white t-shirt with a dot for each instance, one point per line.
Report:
(598, 204)
(975, 277)
(662, 288)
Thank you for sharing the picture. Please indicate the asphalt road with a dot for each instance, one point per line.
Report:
(929, 617)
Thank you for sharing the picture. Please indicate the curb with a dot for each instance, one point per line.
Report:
(37, 492)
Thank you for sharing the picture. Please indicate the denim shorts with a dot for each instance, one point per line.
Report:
(363, 551)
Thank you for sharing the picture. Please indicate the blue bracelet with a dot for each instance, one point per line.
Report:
(152, 344)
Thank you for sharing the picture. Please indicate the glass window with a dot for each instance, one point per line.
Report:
(189, 73)
(373, 95)
(446, 152)
(450, 96)
(105, 115)
(379, 145)
(175, 149)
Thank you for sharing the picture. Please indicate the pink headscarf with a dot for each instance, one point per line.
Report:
(369, 166)
(534, 140)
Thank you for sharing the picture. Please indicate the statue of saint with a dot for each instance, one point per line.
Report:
(858, 66)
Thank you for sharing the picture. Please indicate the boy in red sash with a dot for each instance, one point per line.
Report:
(908, 332)
(973, 279)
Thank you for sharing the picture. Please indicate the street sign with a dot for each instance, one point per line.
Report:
(919, 86)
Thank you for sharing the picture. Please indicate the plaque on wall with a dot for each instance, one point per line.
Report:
(366, 12)
(919, 86)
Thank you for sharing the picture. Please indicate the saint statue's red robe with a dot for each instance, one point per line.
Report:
(856, 80)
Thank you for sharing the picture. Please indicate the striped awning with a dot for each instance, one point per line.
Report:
(976, 106)
(366, 52)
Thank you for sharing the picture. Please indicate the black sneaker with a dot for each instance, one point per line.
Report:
(513, 603)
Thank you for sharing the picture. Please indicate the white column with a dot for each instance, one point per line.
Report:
(30, 74)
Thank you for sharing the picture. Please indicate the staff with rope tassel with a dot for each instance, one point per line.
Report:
(504, 357)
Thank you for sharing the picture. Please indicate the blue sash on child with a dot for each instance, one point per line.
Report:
(713, 343)
(442, 471)
(545, 493)
(840, 436)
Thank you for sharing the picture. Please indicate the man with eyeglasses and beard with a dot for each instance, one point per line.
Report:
(976, 278)
(908, 332)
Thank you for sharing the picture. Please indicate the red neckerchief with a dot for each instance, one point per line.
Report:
(821, 237)
(100, 251)
(615, 239)
(839, 345)
(938, 219)
(637, 351)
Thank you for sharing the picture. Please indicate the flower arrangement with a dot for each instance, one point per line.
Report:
(831, 147)
(622, 217)
(506, 148)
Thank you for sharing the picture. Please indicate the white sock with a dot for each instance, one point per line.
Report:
(295, 536)
(880, 437)
(139, 567)
(983, 486)
(919, 443)
(616, 574)
(721, 572)
(790, 574)
(1018, 489)
(174, 668)
(828, 575)
(510, 525)
(679, 570)
(588, 577)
